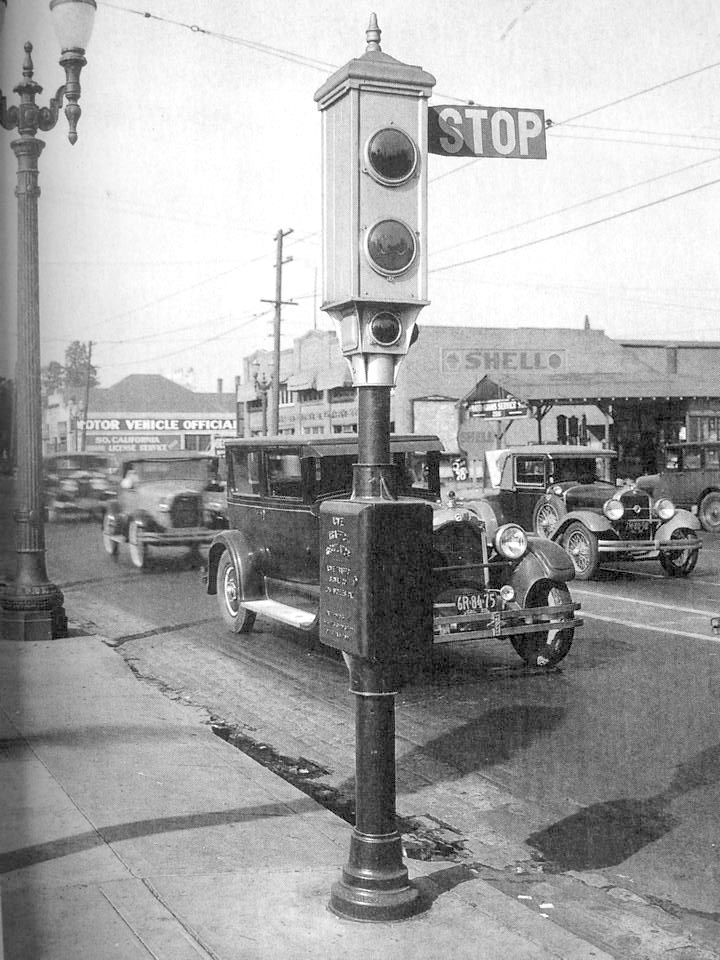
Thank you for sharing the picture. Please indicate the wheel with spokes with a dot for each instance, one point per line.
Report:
(680, 563)
(547, 514)
(581, 546)
(709, 512)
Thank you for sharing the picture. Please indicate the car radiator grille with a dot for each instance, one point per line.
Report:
(185, 511)
(637, 523)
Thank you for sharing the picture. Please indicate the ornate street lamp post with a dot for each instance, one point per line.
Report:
(32, 606)
(261, 390)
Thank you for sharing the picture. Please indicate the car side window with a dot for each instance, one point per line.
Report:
(333, 475)
(284, 474)
(712, 458)
(530, 472)
(244, 472)
(691, 460)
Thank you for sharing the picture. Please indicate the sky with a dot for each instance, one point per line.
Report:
(199, 140)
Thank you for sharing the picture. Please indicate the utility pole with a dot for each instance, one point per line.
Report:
(87, 393)
(279, 303)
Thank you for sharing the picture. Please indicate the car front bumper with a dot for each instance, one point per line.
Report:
(647, 547)
(487, 625)
(198, 535)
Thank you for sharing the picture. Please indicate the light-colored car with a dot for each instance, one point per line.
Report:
(570, 495)
(165, 499)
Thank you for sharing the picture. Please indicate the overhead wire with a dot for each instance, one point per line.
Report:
(570, 230)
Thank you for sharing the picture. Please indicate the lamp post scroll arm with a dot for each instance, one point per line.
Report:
(8, 115)
(47, 116)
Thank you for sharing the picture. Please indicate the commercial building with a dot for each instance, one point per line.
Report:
(565, 384)
(143, 412)
(477, 388)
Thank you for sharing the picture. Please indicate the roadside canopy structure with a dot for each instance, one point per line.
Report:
(641, 412)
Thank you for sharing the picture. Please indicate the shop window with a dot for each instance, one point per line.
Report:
(309, 396)
(342, 394)
(198, 441)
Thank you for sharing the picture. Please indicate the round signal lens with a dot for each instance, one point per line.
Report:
(385, 329)
(665, 509)
(391, 156)
(613, 509)
(391, 247)
(511, 541)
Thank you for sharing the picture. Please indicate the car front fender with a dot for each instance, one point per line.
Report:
(682, 519)
(245, 558)
(552, 558)
(529, 571)
(595, 522)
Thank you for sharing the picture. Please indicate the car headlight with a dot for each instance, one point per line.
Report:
(665, 509)
(557, 490)
(613, 509)
(164, 506)
(511, 541)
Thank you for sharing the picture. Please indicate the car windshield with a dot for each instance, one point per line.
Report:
(582, 469)
(195, 471)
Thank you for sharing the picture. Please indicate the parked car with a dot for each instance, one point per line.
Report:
(570, 495)
(165, 499)
(77, 484)
(690, 478)
(491, 580)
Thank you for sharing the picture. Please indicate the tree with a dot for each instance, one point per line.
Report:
(53, 378)
(80, 373)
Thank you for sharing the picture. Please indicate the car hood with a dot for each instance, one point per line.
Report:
(167, 489)
(579, 496)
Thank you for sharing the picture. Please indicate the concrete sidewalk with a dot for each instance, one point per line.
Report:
(130, 830)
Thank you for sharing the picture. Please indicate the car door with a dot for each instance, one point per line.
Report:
(290, 525)
(524, 480)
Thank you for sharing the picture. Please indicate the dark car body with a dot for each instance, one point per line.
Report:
(165, 499)
(690, 478)
(268, 561)
(77, 484)
(570, 495)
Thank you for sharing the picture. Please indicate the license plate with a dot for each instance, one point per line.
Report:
(477, 602)
(637, 524)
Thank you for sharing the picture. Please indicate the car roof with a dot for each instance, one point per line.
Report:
(683, 444)
(336, 444)
(167, 455)
(560, 450)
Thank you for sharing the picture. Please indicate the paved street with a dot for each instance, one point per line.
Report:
(600, 779)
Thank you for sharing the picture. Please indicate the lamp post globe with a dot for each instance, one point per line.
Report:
(32, 606)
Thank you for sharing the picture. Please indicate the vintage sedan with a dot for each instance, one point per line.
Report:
(690, 477)
(77, 485)
(165, 499)
(490, 580)
(570, 495)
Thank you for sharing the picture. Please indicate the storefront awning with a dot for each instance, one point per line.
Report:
(302, 381)
(338, 375)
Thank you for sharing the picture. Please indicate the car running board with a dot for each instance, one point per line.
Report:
(282, 612)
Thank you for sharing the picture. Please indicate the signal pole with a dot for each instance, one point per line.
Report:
(279, 303)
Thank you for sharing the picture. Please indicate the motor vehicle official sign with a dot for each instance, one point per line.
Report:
(460, 130)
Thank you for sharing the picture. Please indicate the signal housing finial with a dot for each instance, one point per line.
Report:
(372, 35)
